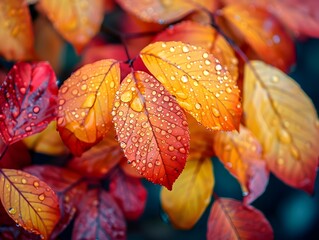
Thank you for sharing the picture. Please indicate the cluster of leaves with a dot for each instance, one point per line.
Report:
(173, 106)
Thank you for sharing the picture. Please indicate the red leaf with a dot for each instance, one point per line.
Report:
(129, 193)
(69, 188)
(100, 159)
(151, 128)
(16, 157)
(99, 218)
(230, 219)
(27, 100)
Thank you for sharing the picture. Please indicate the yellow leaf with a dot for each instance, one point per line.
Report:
(191, 193)
(285, 121)
(77, 21)
(85, 104)
(199, 82)
(47, 142)
(16, 30)
(30, 202)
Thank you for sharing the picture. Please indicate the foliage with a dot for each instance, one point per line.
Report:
(154, 98)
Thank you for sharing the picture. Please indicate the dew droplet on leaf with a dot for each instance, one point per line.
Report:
(12, 211)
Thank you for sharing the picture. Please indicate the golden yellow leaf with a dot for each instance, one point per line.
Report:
(30, 202)
(47, 142)
(199, 82)
(16, 30)
(85, 104)
(285, 121)
(206, 37)
(77, 21)
(191, 193)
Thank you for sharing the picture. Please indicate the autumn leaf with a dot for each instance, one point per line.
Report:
(17, 156)
(129, 193)
(29, 201)
(263, 33)
(100, 159)
(85, 104)
(241, 155)
(191, 193)
(16, 30)
(163, 12)
(128, 169)
(230, 219)
(199, 82)
(27, 100)
(151, 128)
(206, 37)
(99, 218)
(47, 142)
(299, 16)
(202, 140)
(77, 21)
(69, 188)
(285, 122)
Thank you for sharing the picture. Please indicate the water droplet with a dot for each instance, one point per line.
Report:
(123, 144)
(85, 77)
(198, 106)
(75, 92)
(205, 55)
(23, 181)
(206, 73)
(207, 62)
(36, 184)
(216, 112)
(218, 67)
(172, 49)
(84, 87)
(127, 96)
(166, 98)
(171, 148)
(12, 211)
(41, 197)
(137, 105)
(22, 90)
(28, 129)
(150, 165)
(228, 90)
(36, 109)
(182, 150)
(181, 95)
(284, 136)
(275, 79)
(184, 79)
(295, 152)
(185, 49)
(112, 84)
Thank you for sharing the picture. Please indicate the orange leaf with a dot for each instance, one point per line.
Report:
(299, 16)
(263, 33)
(206, 37)
(16, 30)
(164, 11)
(85, 104)
(129, 170)
(29, 201)
(202, 140)
(191, 193)
(77, 21)
(151, 128)
(100, 159)
(285, 122)
(199, 82)
(47, 142)
(230, 219)
(241, 155)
